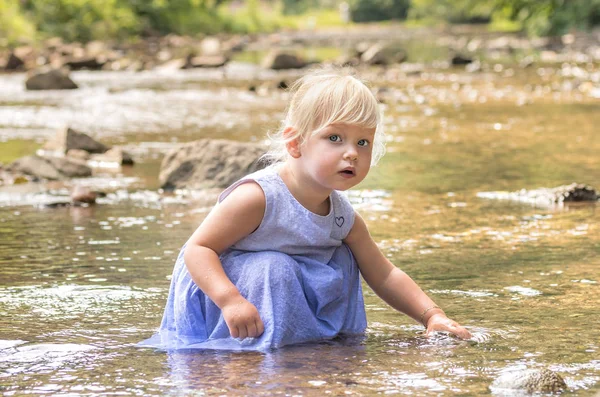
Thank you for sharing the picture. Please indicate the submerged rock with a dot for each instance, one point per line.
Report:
(574, 192)
(530, 381)
(209, 164)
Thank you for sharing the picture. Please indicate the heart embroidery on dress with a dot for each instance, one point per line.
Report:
(339, 220)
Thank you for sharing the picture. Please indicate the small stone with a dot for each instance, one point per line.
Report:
(82, 194)
(78, 154)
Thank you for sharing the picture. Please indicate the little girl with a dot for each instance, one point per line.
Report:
(277, 261)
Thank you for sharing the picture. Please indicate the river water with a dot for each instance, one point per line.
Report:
(79, 286)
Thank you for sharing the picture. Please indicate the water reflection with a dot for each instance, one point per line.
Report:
(323, 367)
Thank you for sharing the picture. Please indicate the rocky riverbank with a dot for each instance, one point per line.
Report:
(381, 43)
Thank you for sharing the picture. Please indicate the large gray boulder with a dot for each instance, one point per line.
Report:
(530, 381)
(51, 168)
(209, 163)
(54, 79)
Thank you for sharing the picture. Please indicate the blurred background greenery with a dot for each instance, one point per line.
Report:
(27, 21)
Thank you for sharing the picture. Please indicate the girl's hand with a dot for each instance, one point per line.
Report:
(242, 319)
(439, 322)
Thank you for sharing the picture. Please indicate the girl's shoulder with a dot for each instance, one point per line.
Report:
(262, 178)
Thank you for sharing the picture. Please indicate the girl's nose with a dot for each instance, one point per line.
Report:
(351, 154)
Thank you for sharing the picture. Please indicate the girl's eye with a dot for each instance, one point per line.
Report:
(335, 138)
(363, 142)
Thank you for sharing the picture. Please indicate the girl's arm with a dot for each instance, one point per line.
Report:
(394, 286)
(238, 215)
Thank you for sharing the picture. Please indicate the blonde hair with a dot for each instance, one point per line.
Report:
(322, 98)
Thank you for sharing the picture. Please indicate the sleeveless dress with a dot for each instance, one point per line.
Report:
(294, 268)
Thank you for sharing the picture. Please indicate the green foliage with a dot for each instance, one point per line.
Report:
(13, 25)
(15, 148)
(297, 7)
(177, 16)
(378, 10)
(249, 19)
(552, 17)
(536, 17)
(455, 11)
(82, 19)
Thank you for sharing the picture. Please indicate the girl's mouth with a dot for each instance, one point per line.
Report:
(347, 173)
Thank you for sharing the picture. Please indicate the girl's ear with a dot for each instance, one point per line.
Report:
(293, 146)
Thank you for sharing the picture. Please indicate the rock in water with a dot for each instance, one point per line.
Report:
(67, 139)
(531, 381)
(278, 60)
(14, 62)
(50, 168)
(209, 163)
(82, 194)
(54, 79)
(384, 54)
(547, 197)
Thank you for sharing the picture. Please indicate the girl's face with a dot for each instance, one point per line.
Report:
(339, 156)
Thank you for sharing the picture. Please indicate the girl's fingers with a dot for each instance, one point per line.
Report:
(465, 334)
(252, 330)
(453, 328)
(260, 328)
(234, 332)
(243, 332)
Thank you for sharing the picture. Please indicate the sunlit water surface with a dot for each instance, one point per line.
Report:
(79, 286)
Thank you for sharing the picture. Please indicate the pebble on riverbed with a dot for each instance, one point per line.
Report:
(82, 194)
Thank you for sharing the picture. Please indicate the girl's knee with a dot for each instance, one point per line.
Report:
(280, 268)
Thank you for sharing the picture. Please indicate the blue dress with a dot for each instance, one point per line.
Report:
(294, 268)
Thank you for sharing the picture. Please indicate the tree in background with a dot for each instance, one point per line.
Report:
(536, 17)
(551, 17)
(378, 10)
(178, 16)
(82, 19)
(454, 11)
(297, 7)
(13, 24)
